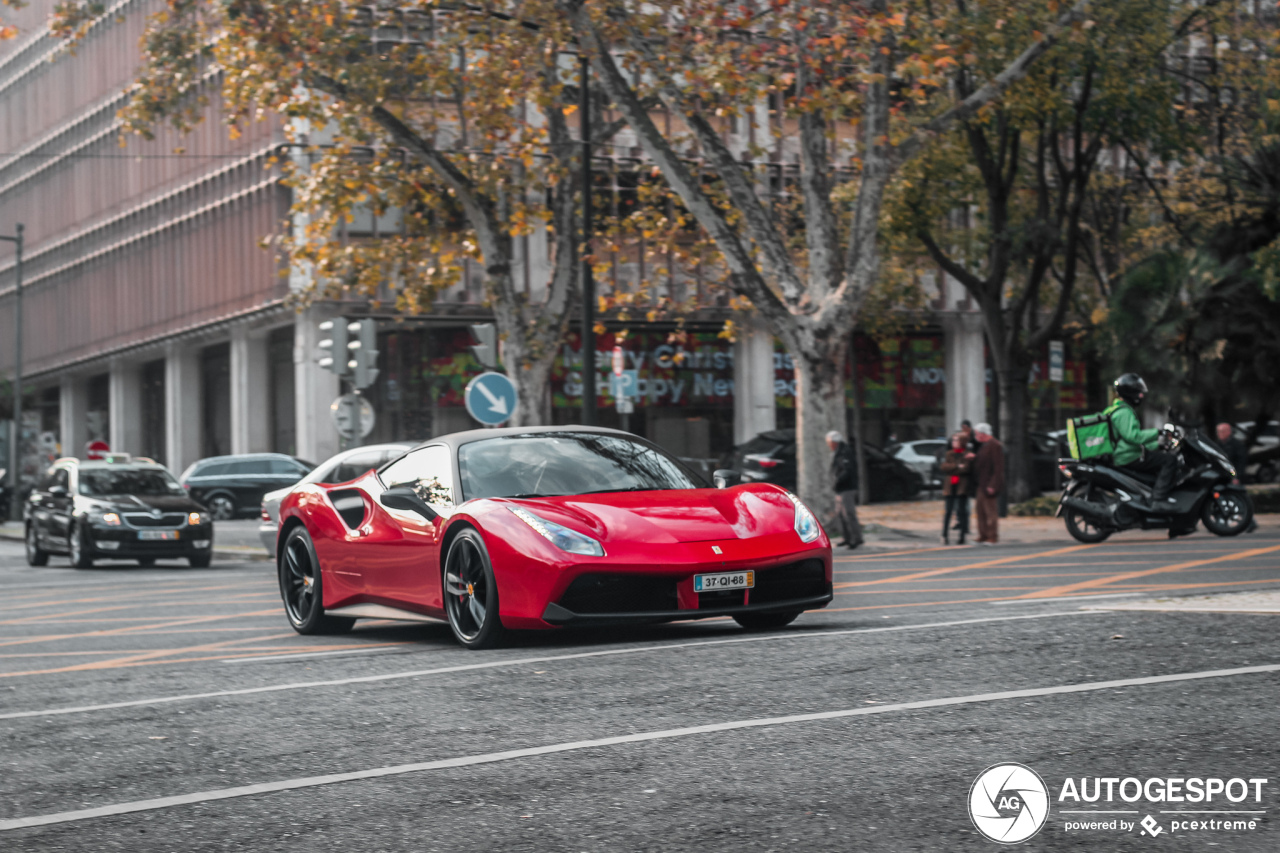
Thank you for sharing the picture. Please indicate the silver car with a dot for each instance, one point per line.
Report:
(921, 457)
(347, 465)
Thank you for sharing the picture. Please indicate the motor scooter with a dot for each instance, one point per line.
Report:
(1100, 498)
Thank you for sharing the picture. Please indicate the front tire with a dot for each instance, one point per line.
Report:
(1084, 529)
(765, 621)
(471, 593)
(35, 555)
(300, 587)
(200, 561)
(1229, 514)
(78, 548)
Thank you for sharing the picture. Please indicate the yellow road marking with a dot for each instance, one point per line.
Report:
(929, 573)
(1070, 589)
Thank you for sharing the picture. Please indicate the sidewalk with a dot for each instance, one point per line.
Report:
(918, 524)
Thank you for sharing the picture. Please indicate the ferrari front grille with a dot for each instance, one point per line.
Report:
(600, 592)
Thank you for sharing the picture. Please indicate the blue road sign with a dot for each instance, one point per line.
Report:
(490, 398)
(626, 383)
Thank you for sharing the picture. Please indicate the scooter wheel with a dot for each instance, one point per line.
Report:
(1084, 529)
(1228, 514)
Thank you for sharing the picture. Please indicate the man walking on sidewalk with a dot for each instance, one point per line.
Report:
(844, 468)
(988, 469)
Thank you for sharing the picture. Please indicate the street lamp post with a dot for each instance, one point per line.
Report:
(588, 283)
(15, 508)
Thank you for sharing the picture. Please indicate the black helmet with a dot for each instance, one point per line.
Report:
(1131, 388)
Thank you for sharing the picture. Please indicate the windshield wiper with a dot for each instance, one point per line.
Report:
(532, 495)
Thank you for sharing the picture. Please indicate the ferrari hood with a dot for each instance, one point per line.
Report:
(685, 515)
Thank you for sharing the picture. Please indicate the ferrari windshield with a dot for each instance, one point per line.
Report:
(149, 482)
(566, 463)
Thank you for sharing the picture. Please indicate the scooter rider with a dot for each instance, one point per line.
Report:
(1139, 449)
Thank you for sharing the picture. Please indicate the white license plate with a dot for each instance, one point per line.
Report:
(163, 535)
(727, 580)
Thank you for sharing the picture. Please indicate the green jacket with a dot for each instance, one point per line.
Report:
(1130, 436)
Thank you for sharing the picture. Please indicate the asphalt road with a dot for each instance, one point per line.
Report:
(173, 709)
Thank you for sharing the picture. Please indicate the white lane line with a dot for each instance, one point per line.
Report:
(394, 676)
(1067, 598)
(572, 746)
(310, 655)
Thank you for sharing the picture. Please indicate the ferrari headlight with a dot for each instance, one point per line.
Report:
(806, 525)
(559, 535)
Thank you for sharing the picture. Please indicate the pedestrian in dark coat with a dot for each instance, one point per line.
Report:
(988, 470)
(956, 466)
(844, 469)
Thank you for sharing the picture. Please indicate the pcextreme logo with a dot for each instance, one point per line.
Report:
(1008, 803)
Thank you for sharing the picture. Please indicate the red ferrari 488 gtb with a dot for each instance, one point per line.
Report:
(545, 527)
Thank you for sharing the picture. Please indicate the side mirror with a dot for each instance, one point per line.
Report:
(726, 477)
(58, 491)
(405, 498)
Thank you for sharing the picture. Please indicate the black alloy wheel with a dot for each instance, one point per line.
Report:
(35, 555)
(78, 547)
(1083, 528)
(300, 587)
(766, 621)
(471, 594)
(1227, 514)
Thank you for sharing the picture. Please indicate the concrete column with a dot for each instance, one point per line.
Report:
(754, 408)
(250, 389)
(73, 403)
(182, 428)
(125, 401)
(966, 369)
(314, 388)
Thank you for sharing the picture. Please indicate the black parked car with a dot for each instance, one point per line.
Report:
(232, 486)
(118, 508)
(770, 457)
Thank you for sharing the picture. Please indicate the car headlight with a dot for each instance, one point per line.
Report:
(193, 518)
(559, 535)
(806, 525)
(111, 519)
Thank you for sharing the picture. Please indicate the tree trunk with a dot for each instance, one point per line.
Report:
(533, 398)
(1019, 482)
(820, 408)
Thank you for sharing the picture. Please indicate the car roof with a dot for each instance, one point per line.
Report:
(455, 440)
(231, 456)
(97, 464)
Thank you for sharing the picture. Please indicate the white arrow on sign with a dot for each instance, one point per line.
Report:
(496, 404)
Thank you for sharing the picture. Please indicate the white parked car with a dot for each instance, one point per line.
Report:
(922, 457)
(347, 465)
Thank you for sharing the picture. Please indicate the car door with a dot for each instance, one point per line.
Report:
(402, 549)
(59, 502)
(40, 507)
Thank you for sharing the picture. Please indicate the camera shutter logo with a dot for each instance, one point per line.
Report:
(1008, 803)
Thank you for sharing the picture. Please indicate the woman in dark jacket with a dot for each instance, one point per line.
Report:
(955, 466)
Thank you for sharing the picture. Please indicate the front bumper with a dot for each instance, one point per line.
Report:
(560, 616)
(124, 542)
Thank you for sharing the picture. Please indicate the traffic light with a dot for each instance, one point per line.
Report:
(486, 344)
(333, 350)
(364, 352)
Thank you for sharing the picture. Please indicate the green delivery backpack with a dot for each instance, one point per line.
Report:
(1092, 437)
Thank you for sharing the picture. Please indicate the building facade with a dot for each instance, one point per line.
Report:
(155, 322)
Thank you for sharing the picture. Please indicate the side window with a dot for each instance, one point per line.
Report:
(429, 471)
(287, 468)
(213, 469)
(355, 466)
(61, 478)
